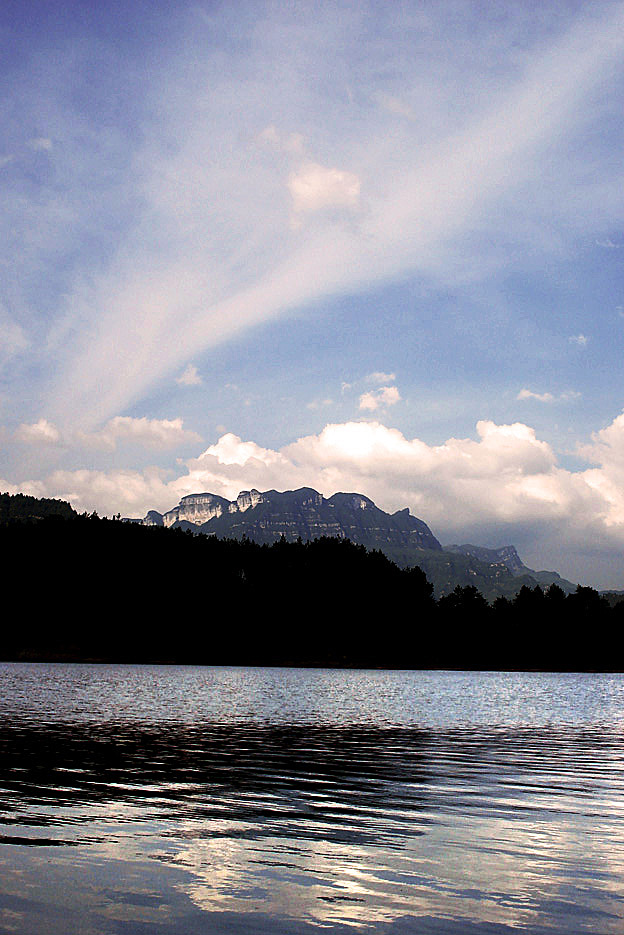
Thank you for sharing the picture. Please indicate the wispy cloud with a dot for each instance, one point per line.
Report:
(608, 244)
(189, 376)
(156, 434)
(395, 105)
(211, 252)
(319, 403)
(159, 434)
(292, 143)
(580, 339)
(41, 144)
(541, 397)
(13, 339)
(566, 396)
(378, 376)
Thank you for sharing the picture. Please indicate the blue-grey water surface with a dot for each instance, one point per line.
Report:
(176, 800)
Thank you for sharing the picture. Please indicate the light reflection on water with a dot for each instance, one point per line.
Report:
(165, 799)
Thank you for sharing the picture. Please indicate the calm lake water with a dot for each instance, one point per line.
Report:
(177, 800)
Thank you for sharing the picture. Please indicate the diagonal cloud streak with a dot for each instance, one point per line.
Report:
(215, 251)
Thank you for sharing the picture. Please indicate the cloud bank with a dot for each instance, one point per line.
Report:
(504, 485)
(157, 434)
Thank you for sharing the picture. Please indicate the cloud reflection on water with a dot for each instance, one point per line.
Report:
(326, 825)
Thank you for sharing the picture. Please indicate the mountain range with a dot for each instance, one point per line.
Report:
(264, 517)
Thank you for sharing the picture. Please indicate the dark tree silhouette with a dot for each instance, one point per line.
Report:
(92, 588)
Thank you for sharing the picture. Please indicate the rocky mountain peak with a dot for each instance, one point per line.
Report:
(247, 499)
(196, 508)
(305, 514)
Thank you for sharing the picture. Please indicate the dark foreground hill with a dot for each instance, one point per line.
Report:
(406, 540)
(81, 587)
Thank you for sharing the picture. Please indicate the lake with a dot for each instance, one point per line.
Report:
(174, 800)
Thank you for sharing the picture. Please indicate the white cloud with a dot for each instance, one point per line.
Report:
(319, 403)
(506, 479)
(377, 399)
(149, 433)
(380, 377)
(38, 433)
(579, 339)
(529, 394)
(566, 396)
(211, 253)
(314, 188)
(108, 492)
(189, 376)
(607, 450)
(41, 144)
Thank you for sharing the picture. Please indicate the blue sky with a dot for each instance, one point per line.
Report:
(347, 245)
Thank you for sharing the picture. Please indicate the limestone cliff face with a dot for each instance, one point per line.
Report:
(196, 508)
(304, 513)
(264, 517)
(506, 555)
(246, 500)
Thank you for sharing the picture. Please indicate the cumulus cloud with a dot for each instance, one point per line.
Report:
(378, 399)
(505, 482)
(108, 492)
(314, 188)
(149, 433)
(606, 449)
(38, 433)
(189, 376)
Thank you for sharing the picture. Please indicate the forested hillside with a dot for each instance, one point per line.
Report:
(83, 587)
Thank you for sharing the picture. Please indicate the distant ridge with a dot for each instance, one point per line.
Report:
(264, 517)
(510, 558)
(300, 514)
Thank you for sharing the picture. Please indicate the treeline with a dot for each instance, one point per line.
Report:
(537, 629)
(24, 508)
(82, 587)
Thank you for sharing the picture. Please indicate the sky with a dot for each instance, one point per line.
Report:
(353, 246)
